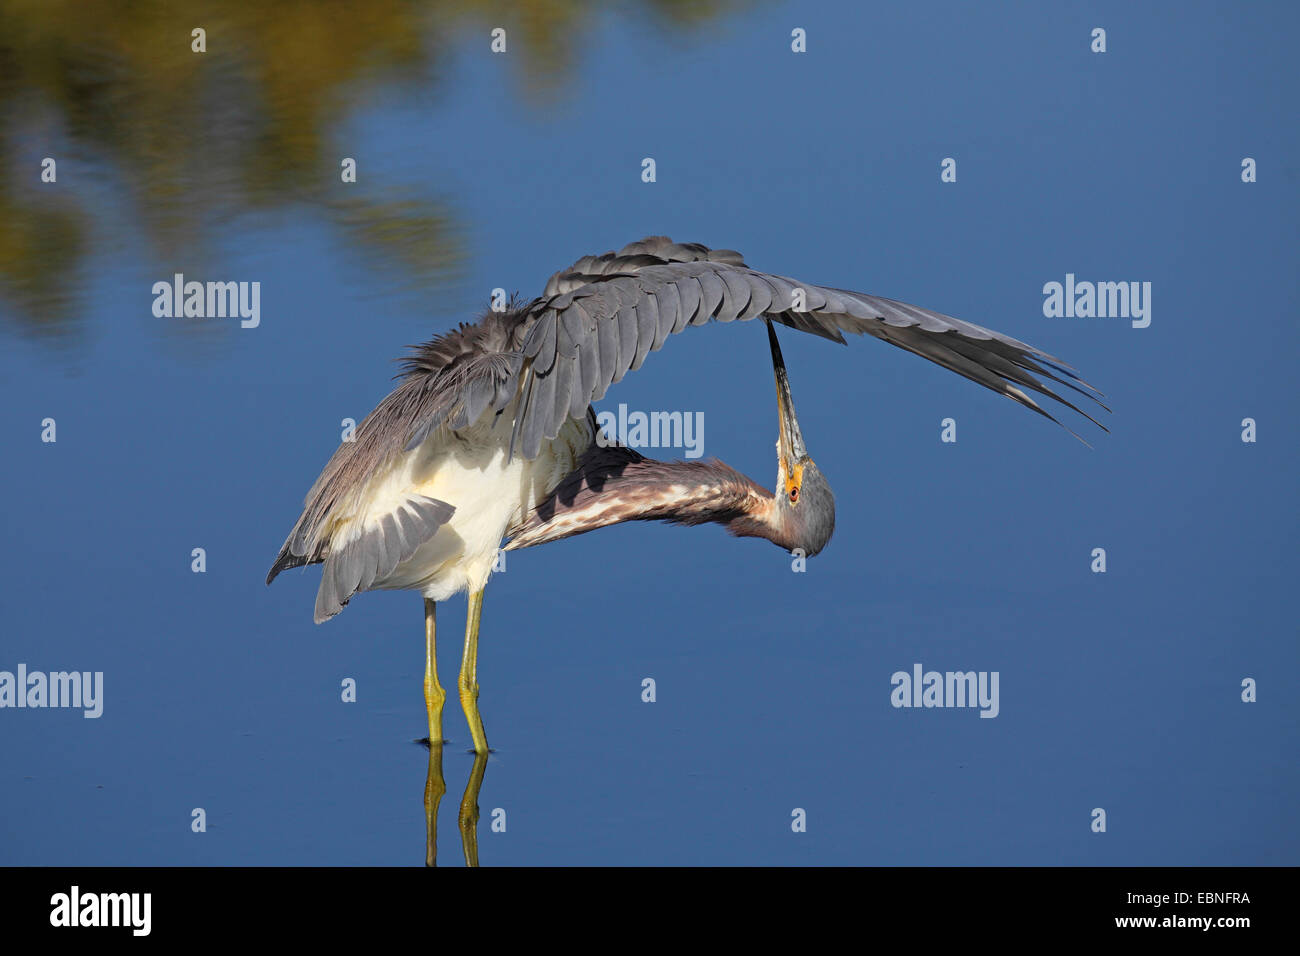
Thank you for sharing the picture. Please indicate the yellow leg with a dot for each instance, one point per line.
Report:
(434, 695)
(434, 788)
(468, 816)
(469, 673)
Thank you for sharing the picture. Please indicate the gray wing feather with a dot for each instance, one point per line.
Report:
(607, 332)
(659, 326)
(627, 341)
(688, 291)
(537, 417)
(760, 298)
(573, 329)
(374, 553)
(711, 295)
(647, 322)
(543, 354)
(565, 374)
(588, 379)
(739, 293)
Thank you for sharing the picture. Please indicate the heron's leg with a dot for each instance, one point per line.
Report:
(434, 788)
(468, 818)
(434, 695)
(469, 673)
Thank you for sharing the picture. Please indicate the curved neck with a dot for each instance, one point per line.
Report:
(613, 485)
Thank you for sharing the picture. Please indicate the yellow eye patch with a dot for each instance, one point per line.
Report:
(793, 482)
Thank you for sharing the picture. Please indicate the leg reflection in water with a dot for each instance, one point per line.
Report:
(434, 788)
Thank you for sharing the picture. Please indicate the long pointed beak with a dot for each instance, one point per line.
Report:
(792, 446)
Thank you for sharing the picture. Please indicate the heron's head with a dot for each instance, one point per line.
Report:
(805, 507)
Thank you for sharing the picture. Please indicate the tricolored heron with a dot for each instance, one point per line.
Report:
(490, 435)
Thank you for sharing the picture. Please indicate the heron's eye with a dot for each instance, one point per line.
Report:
(794, 494)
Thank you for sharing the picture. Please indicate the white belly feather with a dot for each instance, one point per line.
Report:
(468, 469)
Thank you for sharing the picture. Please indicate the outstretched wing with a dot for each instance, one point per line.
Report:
(600, 318)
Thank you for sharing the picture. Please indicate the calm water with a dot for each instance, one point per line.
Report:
(476, 171)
